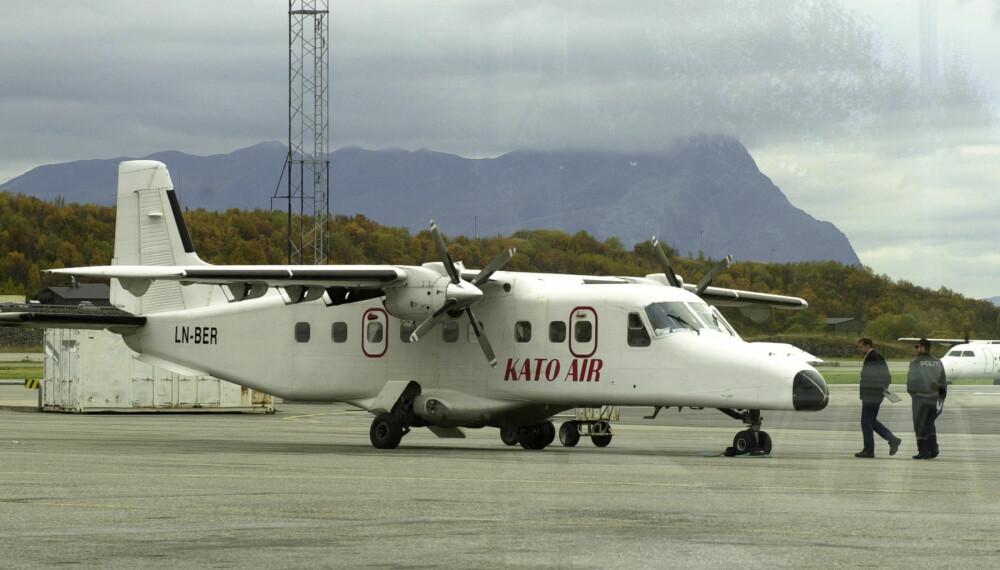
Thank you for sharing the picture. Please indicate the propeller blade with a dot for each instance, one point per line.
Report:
(716, 270)
(665, 263)
(493, 267)
(484, 342)
(431, 321)
(449, 265)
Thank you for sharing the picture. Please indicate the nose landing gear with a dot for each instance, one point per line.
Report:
(751, 441)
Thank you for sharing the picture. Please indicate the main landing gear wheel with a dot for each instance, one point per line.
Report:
(569, 434)
(537, 436)
(386, 432)
(509, 436)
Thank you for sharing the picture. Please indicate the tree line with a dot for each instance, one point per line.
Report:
(36, 235)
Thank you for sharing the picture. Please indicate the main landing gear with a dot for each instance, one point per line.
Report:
(531, 436)
(750, 441)
(387, 430)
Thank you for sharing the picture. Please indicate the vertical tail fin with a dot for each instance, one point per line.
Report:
(150, 230)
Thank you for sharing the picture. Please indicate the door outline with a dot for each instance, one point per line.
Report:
(375, 349)
(577, 349)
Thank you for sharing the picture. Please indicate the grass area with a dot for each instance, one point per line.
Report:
(836, 376)
(28, 348)
(19, 370)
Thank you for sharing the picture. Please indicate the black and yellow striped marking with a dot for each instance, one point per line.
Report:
(31, 384)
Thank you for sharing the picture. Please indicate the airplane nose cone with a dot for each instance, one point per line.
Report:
(809, 391)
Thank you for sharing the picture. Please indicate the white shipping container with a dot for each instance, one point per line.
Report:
(94, 371)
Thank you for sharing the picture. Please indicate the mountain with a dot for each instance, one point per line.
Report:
(706, 194)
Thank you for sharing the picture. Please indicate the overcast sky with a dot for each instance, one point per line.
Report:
(877, 115)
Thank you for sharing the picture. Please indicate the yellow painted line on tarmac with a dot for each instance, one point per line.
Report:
(308, 417)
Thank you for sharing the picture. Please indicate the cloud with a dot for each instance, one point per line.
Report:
(829, 97)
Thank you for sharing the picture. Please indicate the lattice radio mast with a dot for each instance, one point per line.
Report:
(308, 133)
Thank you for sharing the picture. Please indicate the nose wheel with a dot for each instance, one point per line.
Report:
(751, 441)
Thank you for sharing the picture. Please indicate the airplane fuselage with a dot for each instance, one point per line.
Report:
(972, 361)
(560, 343)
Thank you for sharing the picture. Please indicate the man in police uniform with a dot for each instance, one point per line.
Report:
(926, 383)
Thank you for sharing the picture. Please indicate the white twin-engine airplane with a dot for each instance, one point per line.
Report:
(969, 359)
(407, 343)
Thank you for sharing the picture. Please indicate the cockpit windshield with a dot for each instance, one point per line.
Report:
(705, 314)
(671, 317)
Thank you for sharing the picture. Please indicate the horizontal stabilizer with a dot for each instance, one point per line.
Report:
(68, 319)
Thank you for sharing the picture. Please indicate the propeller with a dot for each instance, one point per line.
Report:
(665, 264)
(716, 270)
(462, 294)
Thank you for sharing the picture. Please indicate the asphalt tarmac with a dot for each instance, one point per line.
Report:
(303, 488)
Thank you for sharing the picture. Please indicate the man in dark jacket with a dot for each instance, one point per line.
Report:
(875, 380)
(927, 384)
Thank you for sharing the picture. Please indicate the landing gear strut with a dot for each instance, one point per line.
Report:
(750, 441)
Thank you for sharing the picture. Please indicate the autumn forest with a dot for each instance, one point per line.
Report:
(36, 235)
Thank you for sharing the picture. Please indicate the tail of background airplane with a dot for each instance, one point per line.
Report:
(150, 230)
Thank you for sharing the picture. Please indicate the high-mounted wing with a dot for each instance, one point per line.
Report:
(300, 282)
(721, 297)
(755, 306)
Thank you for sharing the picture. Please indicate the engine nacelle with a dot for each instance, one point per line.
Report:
(416, 301)
(426, 291)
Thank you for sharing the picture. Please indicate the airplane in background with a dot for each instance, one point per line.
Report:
(969, 359)
(409, 344)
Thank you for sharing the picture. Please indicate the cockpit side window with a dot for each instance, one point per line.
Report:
(637, 333)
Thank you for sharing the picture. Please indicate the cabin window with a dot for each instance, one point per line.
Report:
(583, 331)
(374, 332)
(637, 333)
(449, 331)
(302, 332)
(522, 331)
(557, 331)
(339, 332)
(406, 328)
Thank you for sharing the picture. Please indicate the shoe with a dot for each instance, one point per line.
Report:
(921, 456)
(932, 455)
(865, 453)
(894, 446)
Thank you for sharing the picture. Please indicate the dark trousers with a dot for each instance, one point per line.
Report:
(870, 423)
(924, 414)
